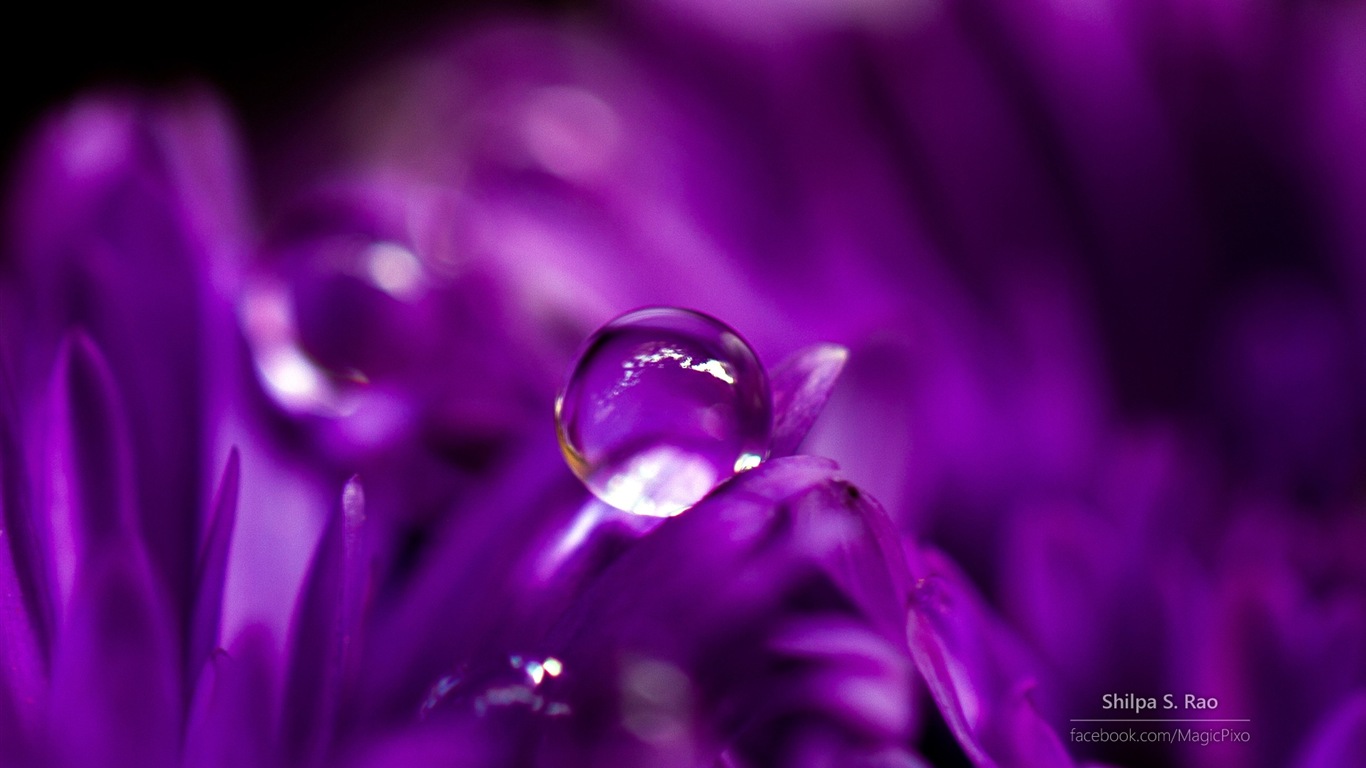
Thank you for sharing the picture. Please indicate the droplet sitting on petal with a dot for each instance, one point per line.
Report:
(663, 405)
(508, 685)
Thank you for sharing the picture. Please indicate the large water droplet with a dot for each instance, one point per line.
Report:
(662, 405)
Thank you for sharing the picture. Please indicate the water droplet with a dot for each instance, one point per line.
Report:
(662, 406)
(335, 315)
(513, 684)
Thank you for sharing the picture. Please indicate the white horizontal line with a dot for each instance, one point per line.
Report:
(1164, 720)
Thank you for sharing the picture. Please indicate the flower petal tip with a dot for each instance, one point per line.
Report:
(801, 386)
(212, 569)
(90, 448)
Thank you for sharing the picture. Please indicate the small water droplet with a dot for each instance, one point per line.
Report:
(515, 683)
(662, 405)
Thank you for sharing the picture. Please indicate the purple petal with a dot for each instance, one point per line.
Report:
(490, 578)
(116, 697)
(23, 662)
(230, 718)
(211, 573)
(118, 211)
(14, 737)
(22, 675)
(323, 629)
(801, 385)
(868, 424)
(1340, 740)
(357, 569)
(312, 685)
(819, 749)
(20, 536)
(771, 601)
(977, 671)
(469, 744)
(25, 598)
(860, 677)
(1267, 616)
(90, 482)
(1026, 739)
(1087, 590)
(857, 546)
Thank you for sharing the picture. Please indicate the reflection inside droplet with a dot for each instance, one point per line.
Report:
(662, 405)
(395, 270)
(290, 376)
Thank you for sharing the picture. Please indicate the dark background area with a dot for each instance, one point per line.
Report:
(262, 56)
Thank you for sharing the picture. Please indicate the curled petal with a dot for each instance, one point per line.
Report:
(801, 386)
(735, 617)
(850, 535)
(858, 675)
(977, 671)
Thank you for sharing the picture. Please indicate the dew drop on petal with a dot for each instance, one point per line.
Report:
(663, 405)
(514, 683)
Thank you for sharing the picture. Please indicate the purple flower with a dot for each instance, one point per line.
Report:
(360, 655)
(1059, 311)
